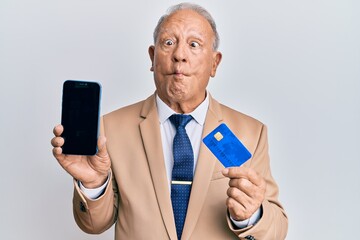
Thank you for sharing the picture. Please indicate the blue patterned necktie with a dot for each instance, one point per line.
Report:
(182, 173)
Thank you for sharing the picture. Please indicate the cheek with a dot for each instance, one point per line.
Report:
(159, 80)
(197, 84)
(203, 65)
(203, 84)
(161, 60)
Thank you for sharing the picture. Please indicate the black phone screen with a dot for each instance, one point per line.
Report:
(80, 117)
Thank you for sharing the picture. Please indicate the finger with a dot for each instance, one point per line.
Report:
(240, 205)
(239, 196)
(243, 172)
(102, 150)
(236, 210)
(57, 152)
(255, 178)
(58, 130)
(235, 172)
(244, 185)
(57, 142)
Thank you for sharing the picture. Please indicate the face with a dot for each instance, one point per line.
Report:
(183, 60)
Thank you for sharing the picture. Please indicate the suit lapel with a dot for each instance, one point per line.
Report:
(203, 172)
(150, 132)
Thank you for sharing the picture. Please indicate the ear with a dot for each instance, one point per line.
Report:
(151, 52)
(216, 61)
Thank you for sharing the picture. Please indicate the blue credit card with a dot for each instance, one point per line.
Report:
(226, 147)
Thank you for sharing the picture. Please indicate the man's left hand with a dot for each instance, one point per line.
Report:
(246, 192)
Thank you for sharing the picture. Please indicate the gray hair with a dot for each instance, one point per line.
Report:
(189, 6)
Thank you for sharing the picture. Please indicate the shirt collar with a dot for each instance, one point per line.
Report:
(199, 114)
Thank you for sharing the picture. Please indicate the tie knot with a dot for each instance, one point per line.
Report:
(180, 120)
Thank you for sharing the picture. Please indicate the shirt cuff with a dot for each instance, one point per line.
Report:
(94, 193)
(250, 221)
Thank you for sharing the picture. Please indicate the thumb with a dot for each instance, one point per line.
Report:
(102, 150)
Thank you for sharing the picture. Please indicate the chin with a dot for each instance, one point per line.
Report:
(178, 95)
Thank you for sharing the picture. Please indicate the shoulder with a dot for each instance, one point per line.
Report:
(235, 116)
(134, 112)
(243, 125)
(231, 116)
(130, 110)
(248, 129)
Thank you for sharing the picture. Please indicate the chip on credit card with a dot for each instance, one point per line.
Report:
(226, 147)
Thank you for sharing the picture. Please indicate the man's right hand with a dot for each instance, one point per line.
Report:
(92, 171)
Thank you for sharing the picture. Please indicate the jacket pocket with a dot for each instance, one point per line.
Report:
(217, 175)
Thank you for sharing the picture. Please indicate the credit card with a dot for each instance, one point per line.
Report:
(226, 147)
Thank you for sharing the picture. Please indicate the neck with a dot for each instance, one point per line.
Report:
(182, 107)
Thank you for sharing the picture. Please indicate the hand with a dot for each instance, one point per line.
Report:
(246, 192)
(92, 171)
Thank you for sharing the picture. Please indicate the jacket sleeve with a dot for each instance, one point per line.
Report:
(95, 216)
(273, 223)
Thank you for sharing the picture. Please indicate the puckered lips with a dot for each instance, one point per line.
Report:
(178, 73)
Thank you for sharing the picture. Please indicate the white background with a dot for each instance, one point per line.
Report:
(294, 65)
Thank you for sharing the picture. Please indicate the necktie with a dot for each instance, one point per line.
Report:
(182, 173)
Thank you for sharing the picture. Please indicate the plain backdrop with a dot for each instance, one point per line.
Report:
(294, 65)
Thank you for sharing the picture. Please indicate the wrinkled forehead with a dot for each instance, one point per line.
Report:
(187, 19)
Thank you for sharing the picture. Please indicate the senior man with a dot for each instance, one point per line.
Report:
(130, 181)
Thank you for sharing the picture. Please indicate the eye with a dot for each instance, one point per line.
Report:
(169, 42)
(194, 44)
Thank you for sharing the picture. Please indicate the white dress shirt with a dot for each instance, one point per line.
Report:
(194, 130)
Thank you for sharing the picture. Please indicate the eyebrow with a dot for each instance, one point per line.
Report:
(196, 34)
(193, 34)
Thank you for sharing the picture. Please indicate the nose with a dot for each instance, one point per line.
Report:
(180, 54)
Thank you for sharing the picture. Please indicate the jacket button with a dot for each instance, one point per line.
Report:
(250, 237)
(82, 207)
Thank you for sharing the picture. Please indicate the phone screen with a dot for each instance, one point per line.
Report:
(80, 117)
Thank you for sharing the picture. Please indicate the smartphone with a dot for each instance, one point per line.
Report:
(80, 117)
